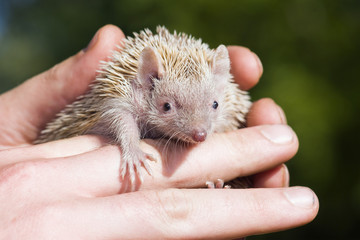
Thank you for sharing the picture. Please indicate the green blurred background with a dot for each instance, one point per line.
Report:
(310, 53)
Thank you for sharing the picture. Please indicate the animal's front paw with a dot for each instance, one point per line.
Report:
(219, 184)
(132, 162)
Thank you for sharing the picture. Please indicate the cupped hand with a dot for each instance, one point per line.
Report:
(69, 189)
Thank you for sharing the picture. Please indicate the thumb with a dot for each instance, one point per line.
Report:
(28, 107)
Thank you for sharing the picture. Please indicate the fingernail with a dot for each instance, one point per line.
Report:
(92, 42)
(286, 176)
(300, 197)
(279, 134)
(260, 66)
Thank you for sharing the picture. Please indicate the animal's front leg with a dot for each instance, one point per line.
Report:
(120, 125)
(132, 159)
(127, 135)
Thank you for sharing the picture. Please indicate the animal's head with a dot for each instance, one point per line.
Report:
(185, 90)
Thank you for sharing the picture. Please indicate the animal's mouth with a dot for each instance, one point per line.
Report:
(193, 136)
(186, 139)
(183, 137)
(190, 139)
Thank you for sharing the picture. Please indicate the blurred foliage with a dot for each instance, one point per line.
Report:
(309, 49)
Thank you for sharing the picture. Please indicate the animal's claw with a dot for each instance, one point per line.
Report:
(132, 163)
(219, 184)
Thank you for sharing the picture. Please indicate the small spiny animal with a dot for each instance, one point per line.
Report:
(155, 86)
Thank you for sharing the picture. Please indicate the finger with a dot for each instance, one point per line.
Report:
(97, 173)
(273, 178)
(246, 67)
(55, 149)
(225, 156)
(37, 100)
(189, 214)
(265, 111)
(79, 175)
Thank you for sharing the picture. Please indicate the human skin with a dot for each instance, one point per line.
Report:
(71, 189)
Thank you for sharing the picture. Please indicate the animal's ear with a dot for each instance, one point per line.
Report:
(221, 62)
(149, 66)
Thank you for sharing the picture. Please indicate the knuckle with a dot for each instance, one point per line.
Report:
(175, 211)
(245, 153)
(53, 73)
(173, 204)
(238, 149)
(19, 175)
(257, 205)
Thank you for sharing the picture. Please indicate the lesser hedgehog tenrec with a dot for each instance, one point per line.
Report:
(155, 86)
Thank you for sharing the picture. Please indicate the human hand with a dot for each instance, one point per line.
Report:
(69, 188)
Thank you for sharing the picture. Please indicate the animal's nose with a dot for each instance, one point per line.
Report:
(199, 135)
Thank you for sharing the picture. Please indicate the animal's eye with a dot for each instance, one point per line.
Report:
(215, 105)
(167, 107)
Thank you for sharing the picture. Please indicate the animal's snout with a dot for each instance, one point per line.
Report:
(199, 135)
